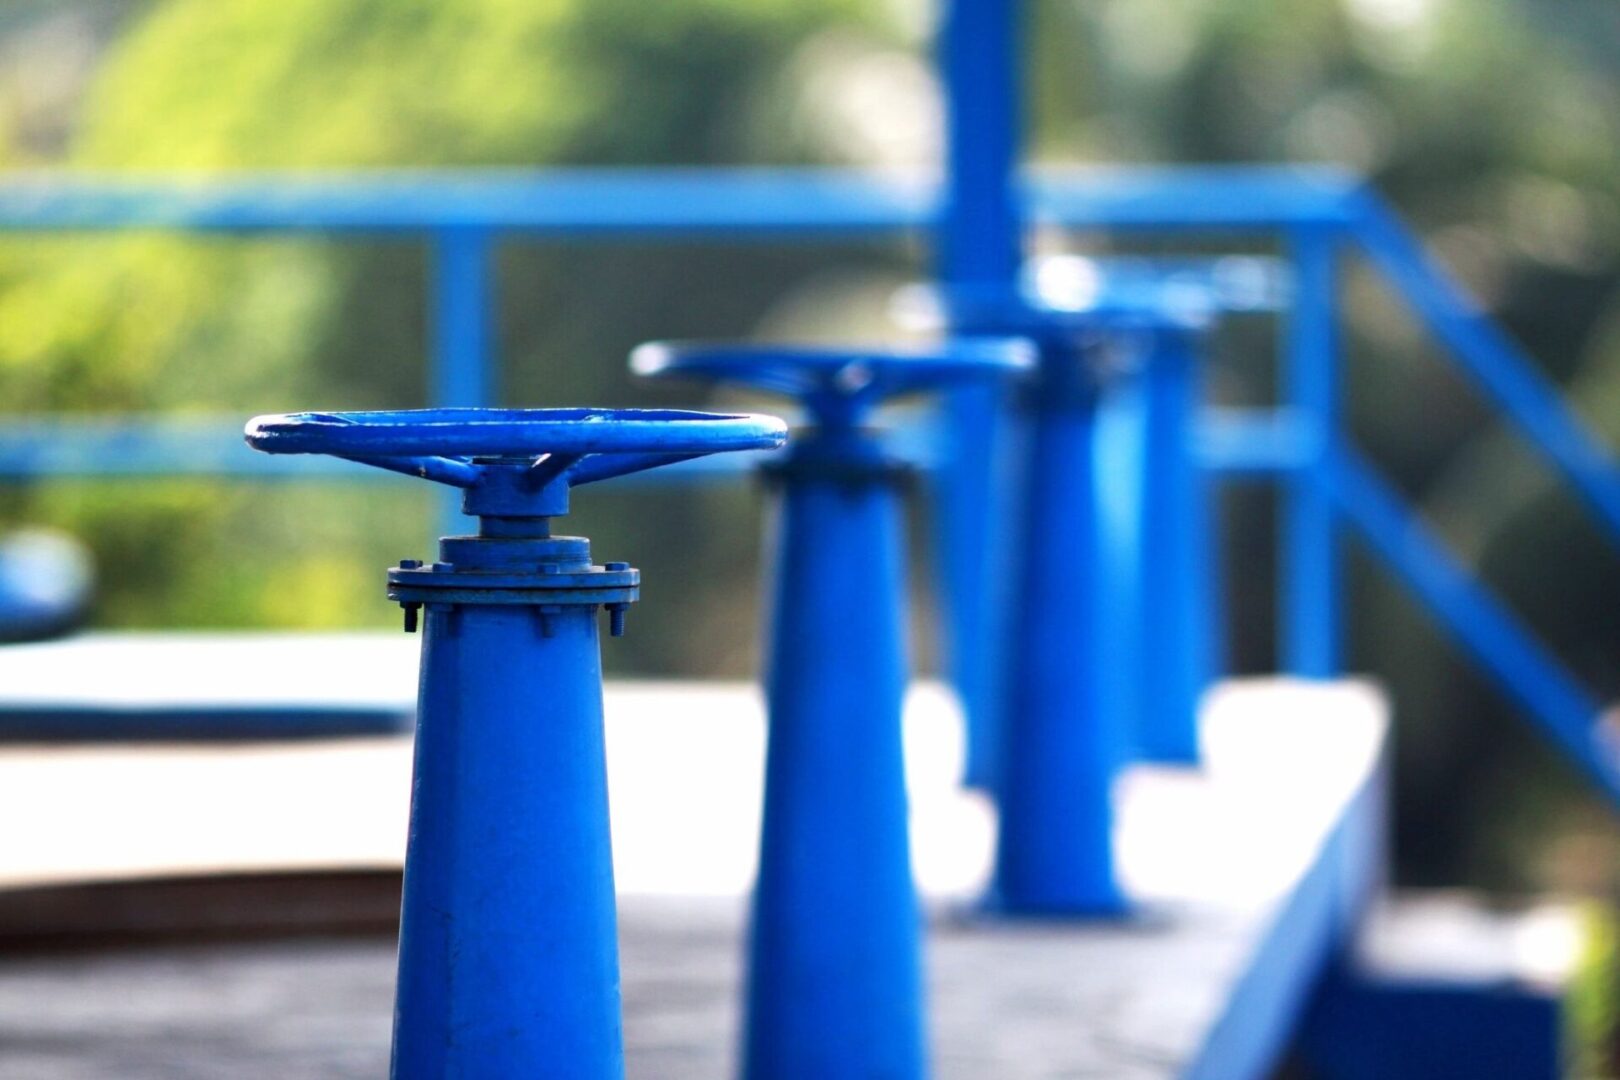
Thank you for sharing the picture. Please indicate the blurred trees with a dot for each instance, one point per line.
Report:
(1494, 126)
(238, 326)
(246, 84)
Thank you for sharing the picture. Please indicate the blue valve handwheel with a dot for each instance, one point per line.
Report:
(452, 446)
(834, 974)
(508, 960)
(1063, 294)
(511, 432)
(867, 372)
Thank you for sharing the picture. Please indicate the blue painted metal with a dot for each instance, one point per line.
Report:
(1188, 289)
(462, 364)
(680, 203)
(1370, 1027)
(742, 204)
(225, 722)
(1494, 362)
(1237, 443)
(839, 387)
(1156, 538)
(1052, 736)
(1485, 629)
(1120, 481)
(1259, 1019)
(46, 585)
(1127, 293)
(1061, 740)
(1175, 555)
(117, 446)
(981, 232)
(979, 246)
(508, 960)
(1073, 698)
(834, 983)
(1309, 594)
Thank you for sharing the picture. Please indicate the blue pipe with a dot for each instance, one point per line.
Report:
(980, 240)
(1238, 443)
(1076, 657)
(464, 316)
(462, 363)
(1310, 586)
(1121, 485)
(508, 956)
(979, 245)
(834, 957)
(1176, 555)
(834, 974)
(1256, 444)
(1061, 741)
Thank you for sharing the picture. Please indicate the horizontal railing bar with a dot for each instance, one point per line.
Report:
(657, 201)
(86, 448)
(1232, 441)
(1258, 443)
(1475, 618)
(66, 446)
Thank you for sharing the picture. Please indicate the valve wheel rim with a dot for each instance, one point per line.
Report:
(797, 370)
(498, 433)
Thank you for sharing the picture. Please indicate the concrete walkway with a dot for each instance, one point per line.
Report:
(1253, 863)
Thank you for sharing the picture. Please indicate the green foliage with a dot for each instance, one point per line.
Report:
(1493, 126)
(250, 84)
(1593, 1010)
(360, 83)
(223, 324)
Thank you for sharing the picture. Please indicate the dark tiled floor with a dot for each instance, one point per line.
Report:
(1009, 1003)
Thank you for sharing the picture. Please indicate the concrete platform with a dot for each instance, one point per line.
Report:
(207, 686)
(1247, 874)
(1445, 986)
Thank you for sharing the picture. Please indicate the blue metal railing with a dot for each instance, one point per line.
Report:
(1471, 614)
(1310, 615)
(1318, 215)
(463, 217)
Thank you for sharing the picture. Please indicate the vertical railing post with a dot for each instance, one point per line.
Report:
(462, 368)
(1309, 580)
(980, 241)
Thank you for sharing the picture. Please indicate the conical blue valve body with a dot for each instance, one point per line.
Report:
(835, 982)
(508, 961)
(1175, 573)
(1060, 750)
(834, 964)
